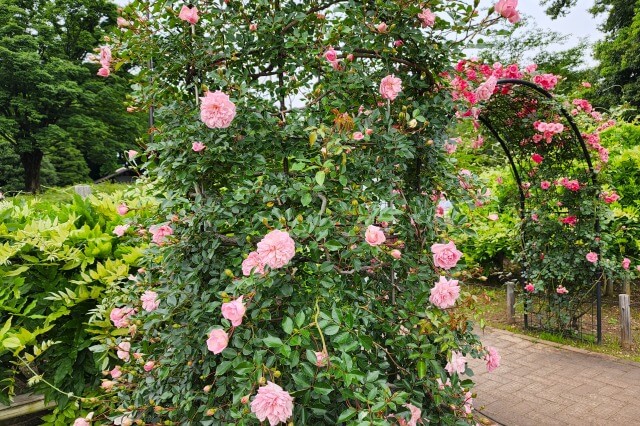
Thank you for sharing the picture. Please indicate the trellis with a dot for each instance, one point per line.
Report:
(509, 116)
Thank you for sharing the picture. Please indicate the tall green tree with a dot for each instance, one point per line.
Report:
(51, 102)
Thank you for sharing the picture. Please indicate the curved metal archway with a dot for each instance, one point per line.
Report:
(509, 115)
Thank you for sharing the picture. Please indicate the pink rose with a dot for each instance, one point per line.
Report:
(116, 372)
(427, 17)
(103, 72)
(122, 209)
(321, 359)
(252, 262)
(105, 57)
(330, 54)
(148, 366)
(398, 43)
(368, 132)
(123, 351)
(545, 184)
(216, 110)
(374, 236)
(253, 27)
(442, 385)
(357, 136)
(198, 146)
(592, 257)
(81, 422)
(586, 84)
(189, 14)
(561, 290)
(529, 288)
(458, 363)
(381, 27)
(492, 358)
(507, 8)
(234, 311)
(445, 293)
(120, 230)
(217, 341)
(486, 89)
(416, 414)
(150, 300)
(445, 256)
(107, 384)
(626, 263)
(132, 153)
(272, 403)
(493, 216)
(160, 233)
(390, 86)
(276, 249)
(122, 23)
(120, 316)
(396, 254)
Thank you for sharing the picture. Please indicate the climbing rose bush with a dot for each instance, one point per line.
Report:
(296, 255)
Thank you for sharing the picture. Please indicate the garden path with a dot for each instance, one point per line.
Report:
(544, 384)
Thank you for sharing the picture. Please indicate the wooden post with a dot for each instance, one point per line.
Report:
(511, 303)
(626, 286)
(83, 190)
(625, 320)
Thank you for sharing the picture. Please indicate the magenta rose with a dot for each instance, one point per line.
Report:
(445, 256)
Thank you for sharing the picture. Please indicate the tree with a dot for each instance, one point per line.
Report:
(51, 101)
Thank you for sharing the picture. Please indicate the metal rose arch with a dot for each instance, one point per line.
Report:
(558, 205)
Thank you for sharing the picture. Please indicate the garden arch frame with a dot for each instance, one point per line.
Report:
(509, 116)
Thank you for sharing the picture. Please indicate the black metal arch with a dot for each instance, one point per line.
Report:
(508, 116)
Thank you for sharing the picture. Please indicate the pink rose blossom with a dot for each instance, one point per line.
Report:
(251, 262)
(123, 351)
(493, 216)
(330, 54)
(586, 84)
(507, 8)
(381, 27)
(534, 217)
(374, 236)
(198, 146)
(217, 341)
(272, 403)
(416, 413)
(120, 230)
(350, 57)
(592, 257)
(189, 14)
(561, 290)
(253, 27)
(150, 301)
(626, 262)
(546, 81)
(427, 17)
(105, 57)
(81, 422)
(445, 293)
(531, 68)
(545, 184)
(396, 254)
(107, 384)
(137, 355)
(216, 110)
(537, 158)
(120, 316)
(122, 23)
(148, 366)
(321, 359)
(445, 256)
(234, 311)
(122, 209)
(132, 153)
(368, 132)
(160, 233)
(116, 372)
(357, 136)
(529, 288)
(569, 220)
(276, 249)
(492, 358)
(486, 89)
(458, 363)
(390, 86)
(442, 385)
(398, 43)
(610, 197)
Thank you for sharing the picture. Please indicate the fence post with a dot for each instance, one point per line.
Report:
(511, 303)
(625, 320)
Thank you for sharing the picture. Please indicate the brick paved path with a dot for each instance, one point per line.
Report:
(546, 384)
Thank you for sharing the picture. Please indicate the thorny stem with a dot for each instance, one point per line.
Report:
(315, 320)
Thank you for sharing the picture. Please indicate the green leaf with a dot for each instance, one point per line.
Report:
(320, 176)
(272, 342)
(347, 414)
(287, 325)
(331, 330)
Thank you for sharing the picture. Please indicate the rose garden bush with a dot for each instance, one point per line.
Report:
(300, 270)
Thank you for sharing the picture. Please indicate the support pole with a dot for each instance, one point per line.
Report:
(625, 321)
(511, 302)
